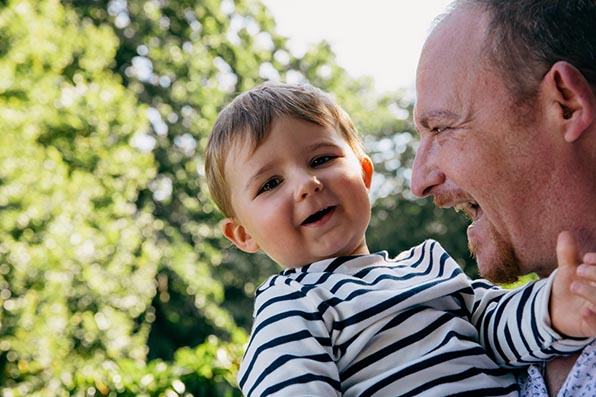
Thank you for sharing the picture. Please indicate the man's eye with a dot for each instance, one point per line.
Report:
(438, 130)
(317, 161)
(269, 185)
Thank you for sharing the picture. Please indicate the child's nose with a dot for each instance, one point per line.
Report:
(309, 185)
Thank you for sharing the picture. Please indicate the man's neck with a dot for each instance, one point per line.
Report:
(557, 371)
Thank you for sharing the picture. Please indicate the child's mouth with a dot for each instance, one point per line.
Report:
(317, 216)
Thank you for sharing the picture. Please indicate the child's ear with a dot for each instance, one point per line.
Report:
(367, 171)
(238, 235)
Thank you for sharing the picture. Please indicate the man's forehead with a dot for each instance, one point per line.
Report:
(463, 29)
(450, 64)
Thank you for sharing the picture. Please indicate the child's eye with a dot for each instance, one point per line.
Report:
(317, 161)
(269, 185)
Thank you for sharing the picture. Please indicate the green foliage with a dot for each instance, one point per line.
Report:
(77, 267)
(205, 371)
(80, 252)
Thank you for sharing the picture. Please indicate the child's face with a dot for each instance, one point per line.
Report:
(302, 196)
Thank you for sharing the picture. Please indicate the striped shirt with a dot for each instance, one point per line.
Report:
(415, 325)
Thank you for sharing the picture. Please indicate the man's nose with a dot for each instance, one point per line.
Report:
(307, 185)
(426, 175)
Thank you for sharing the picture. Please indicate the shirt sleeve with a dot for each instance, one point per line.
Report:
(514, 325)
(286, 320)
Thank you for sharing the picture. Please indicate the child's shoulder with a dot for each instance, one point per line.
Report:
(279, 283)
(322, 275)
(427, 247)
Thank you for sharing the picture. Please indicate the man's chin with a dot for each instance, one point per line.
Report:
(497, 264)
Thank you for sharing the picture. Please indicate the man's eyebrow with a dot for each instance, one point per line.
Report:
(436, 115)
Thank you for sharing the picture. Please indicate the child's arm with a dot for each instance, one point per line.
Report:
(289, 353)
(516, 327)
(573, 295)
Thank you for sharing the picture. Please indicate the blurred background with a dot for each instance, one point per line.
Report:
(114, 276)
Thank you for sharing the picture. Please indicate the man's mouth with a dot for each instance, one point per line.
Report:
(470, 208)
(317, 216)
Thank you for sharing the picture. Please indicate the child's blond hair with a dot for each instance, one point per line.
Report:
(247, 121)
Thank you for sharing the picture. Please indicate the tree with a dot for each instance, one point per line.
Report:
(77, 266)
(78, 254)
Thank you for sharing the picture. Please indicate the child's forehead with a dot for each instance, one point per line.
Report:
(282, 129)
(253, 138)
(247, 143)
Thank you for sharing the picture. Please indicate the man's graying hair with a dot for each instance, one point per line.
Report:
(526, 37)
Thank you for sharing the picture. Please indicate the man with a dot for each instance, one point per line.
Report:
(506, 111)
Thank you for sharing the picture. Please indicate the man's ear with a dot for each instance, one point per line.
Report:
(574, 99)
(238, 235)
(367, 171)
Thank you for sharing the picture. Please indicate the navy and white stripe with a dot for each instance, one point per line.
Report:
(410, 326)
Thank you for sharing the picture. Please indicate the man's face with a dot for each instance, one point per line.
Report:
(474, 153)
(301, 196)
